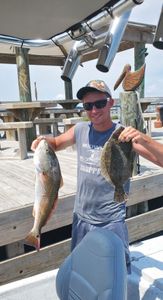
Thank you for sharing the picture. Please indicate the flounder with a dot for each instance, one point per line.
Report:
(117, 160)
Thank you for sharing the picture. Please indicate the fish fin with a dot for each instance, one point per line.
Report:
(120, 195)
(55, 203)
(52, 211)
(33, 212)
(43, 177)
(61, 183)
(33, 240)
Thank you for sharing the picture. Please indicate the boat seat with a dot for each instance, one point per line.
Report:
(95, 270)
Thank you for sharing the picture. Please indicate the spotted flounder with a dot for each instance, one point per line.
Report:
(117, 160)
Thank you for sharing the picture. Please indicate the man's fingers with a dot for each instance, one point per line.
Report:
(36, 142)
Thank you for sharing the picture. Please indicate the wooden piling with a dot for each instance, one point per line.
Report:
(131, 116)
(24, 88)
(139, 56)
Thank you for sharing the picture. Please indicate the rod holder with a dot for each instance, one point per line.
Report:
(158, 38)
(112, 42)
(71, 64)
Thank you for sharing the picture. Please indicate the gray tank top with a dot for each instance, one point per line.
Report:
(94, 202)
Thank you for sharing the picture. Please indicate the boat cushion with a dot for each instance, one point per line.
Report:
(96, 269)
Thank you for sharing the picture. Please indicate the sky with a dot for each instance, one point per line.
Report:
(50, 85)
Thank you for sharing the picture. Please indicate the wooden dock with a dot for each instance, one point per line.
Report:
(16, 201)
(18, 179)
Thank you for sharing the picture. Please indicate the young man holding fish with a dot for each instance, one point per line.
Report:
(94, 203)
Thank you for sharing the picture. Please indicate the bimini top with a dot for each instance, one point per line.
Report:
(52, 27)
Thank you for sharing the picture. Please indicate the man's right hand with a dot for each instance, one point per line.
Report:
(36, 142)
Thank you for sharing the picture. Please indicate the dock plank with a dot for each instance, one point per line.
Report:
(15, 224)
(26, 265)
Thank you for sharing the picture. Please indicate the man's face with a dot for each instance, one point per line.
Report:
(100, 111)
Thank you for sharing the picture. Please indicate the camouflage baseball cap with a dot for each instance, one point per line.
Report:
(93, 86)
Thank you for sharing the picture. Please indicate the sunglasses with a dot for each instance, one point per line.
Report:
(98, 104)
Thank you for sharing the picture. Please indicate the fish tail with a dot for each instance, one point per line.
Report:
(119, 194)
(33, 239)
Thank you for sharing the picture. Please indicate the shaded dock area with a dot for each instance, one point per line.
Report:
(16, 202)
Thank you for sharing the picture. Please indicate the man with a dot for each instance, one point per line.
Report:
(94, 205)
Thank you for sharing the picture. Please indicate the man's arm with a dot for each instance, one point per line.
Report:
(143, 145)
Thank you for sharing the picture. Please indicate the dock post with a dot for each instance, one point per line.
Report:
(132, 116)
(24, 88)
(68, 90)
(140, 52)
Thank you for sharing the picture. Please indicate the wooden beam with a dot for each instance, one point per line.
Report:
(34, 59)
(15, 224)
(94, 54)
(145, 224)
(33, 263)
(138, 36)
(145, 188)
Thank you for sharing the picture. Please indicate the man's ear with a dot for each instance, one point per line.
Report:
(111, 102)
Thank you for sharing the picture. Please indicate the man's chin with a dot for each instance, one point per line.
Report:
(96, 121)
